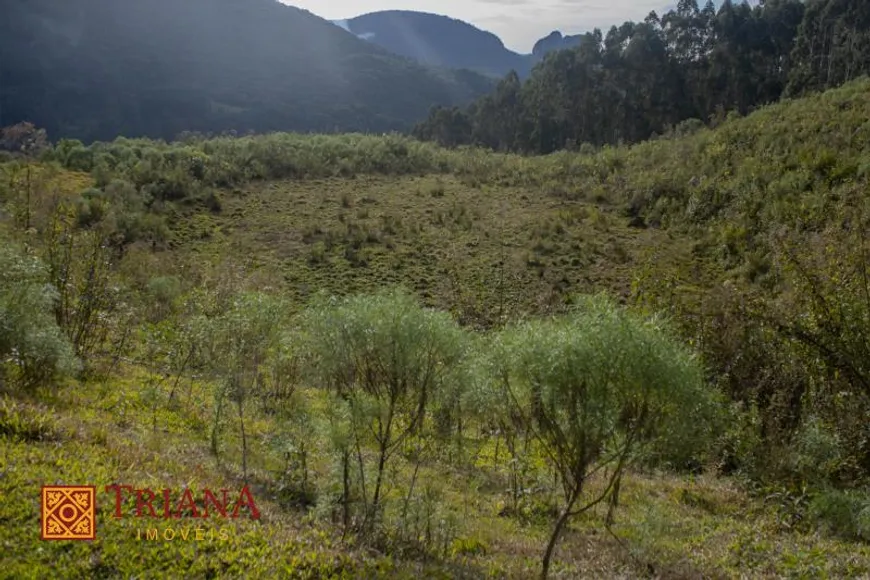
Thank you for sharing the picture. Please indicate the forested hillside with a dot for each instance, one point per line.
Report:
(95, 69)
(642, 79)
(448, 363)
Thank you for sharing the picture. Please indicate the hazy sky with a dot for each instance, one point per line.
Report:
(519, 23)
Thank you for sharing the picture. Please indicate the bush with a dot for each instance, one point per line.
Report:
(32, 345)
(688, 127)
(843, 513)
(22, 422)
(595, 388)
(391, 362)
(817, 452)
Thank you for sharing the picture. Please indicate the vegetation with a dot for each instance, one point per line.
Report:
(591, 389)
(386, 360)
(32, 346)
(102, 68)
(232, 306)
(676, 72)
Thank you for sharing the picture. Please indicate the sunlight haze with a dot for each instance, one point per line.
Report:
(519, 23)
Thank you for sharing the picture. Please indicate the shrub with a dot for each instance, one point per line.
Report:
(390, 360)
(843, 513)
(594, 388)
(31, 342)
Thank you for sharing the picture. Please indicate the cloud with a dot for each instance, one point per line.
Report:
(499, 19)
(344, 25)
(505, 2)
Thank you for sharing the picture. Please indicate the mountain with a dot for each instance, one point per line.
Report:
(438, 40)
(442, 41)
(94, 69)
(555, 41)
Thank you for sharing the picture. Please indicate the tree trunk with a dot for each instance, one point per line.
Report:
(179, 375)
(303, 451)
(557, 531)
(345, 480)
(410, 491)
(244, 441)
(459, 431)
(217, 417)
(362, 476)
(382, 460)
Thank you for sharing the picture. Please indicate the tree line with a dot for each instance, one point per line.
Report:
(648, 78)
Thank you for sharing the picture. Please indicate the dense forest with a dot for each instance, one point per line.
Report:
(641, 79)
(95, 69)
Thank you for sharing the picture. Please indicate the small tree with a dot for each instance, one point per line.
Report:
(592, 388)
(31, 342)
(825, 315)
(243, 338)
(80, 266)
(24, 138)
(388, 358)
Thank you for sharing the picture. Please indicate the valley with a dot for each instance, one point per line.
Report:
(285, 297)
(488, 238)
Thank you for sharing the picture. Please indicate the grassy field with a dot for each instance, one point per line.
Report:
(674, 224)
(494, 249)
(668, 526)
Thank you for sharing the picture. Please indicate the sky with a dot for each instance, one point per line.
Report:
(519, 23)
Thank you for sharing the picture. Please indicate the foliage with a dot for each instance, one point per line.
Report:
(744, 235)
(389, 360)
(242, 339)
(640, 80)
(701, 213)
(265, 67)
(845, 513)
(23, 138)
(592, 388)
(31, 343)
(80, 267)
(831, 46)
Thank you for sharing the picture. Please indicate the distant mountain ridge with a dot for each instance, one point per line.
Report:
(555, 41)
(96, 69)
(438, 40)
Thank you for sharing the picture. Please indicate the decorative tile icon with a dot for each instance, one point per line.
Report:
(68, 512)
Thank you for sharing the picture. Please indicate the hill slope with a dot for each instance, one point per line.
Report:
(438, 40)
(691, 224)
(98, 68)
